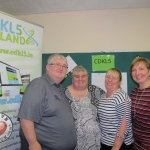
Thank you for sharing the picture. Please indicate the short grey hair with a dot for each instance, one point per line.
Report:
(59, 56)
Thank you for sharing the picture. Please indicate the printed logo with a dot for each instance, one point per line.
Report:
(30, 40)
(6, 127)
(13, 33)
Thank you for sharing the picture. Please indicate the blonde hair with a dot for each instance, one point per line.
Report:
(78, 69)
(117, 71)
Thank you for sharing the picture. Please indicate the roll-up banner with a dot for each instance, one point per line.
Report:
(20, 62)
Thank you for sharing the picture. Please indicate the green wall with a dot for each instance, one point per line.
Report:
(122, 62)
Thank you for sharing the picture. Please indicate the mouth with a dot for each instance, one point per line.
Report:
(138, 77)
(109, 84)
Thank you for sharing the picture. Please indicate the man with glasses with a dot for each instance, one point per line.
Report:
(45, 114)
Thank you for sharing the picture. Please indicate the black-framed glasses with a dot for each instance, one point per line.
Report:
(59, 65)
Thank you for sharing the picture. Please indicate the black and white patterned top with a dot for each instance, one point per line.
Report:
(85, 115)
(111, 112)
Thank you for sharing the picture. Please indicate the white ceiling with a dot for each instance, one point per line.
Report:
(26, 7)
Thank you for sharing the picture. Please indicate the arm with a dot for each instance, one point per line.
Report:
(123, 111)
(29, 132)
(119, 140)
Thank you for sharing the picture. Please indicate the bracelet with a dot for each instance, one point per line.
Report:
(121, 137)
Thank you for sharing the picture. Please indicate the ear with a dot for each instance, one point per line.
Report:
(120, 83)
(47, 67)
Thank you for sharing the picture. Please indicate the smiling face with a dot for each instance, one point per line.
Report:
(112, 81)
(140, 74)
(56, 69)
(80, 80)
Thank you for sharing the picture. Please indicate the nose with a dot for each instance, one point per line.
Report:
(137, 72)
(109, 79)
(80, 78)
(60, 67)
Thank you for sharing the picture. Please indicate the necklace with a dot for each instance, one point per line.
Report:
(137, 102)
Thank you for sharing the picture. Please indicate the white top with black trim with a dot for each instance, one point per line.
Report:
(111, 112)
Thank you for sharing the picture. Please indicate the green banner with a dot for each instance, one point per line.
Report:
(102, 62)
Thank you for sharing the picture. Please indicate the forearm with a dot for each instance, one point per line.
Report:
(29, 131)
(117, 143)
(120, 135)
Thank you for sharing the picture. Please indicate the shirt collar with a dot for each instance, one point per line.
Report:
(50, 80)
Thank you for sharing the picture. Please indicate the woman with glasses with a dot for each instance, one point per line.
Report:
(84, 100)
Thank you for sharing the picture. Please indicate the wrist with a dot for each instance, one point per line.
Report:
(120, 136)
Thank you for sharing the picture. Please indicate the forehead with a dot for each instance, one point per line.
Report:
(80, 73)
(58, 60)
(112, 73)
(141, 63)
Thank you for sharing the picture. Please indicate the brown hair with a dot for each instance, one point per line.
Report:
(137, 60)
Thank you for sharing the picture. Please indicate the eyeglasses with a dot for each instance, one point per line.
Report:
(59, 65)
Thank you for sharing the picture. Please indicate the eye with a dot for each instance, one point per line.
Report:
(65, 67)
(57, 65)
(83, 76)
(107, 76)
(114, 78)
(141, 68)
(76, 76)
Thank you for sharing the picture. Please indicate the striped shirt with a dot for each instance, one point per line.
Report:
(140, 112)
(111, 112)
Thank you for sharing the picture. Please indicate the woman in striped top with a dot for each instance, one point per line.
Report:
(140, 96)
(115, 114)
